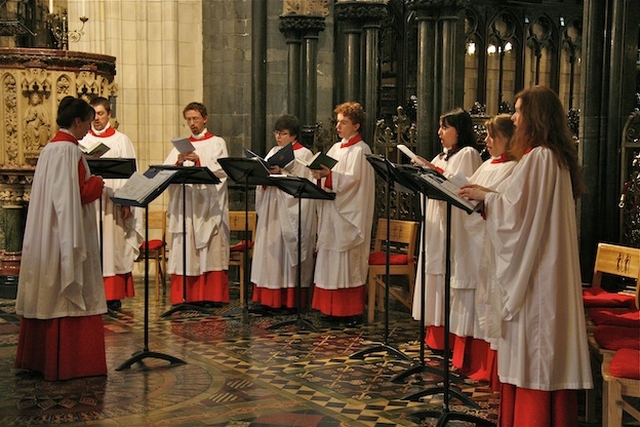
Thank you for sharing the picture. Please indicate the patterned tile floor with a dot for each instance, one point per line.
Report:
(236, 373)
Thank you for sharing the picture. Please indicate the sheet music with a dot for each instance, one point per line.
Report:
(138, 187)
(183, 145)
(449, 188)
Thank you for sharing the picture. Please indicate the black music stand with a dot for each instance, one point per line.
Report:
(186, 175)
(384, 168)
(249, 172)
(110, 168)
(145, 353)
(432, 190)
(300, 188)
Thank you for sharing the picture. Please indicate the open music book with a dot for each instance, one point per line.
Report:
(139, 187)
(280, 158)
(449, 187)
(319, 159)
(97, 149)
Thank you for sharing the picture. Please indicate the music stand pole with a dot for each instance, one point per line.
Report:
(299, 320)
(446, 414)
(109, 168)
(184, 305)
(246, 310)
(421, 366)
(384, 346)
(145, 353)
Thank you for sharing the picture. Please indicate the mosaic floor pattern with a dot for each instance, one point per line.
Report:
(237, 372)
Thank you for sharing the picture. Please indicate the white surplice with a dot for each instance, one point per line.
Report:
(275, 254)
(532, 227)
(344, 224)
(60, 274)
(207, 213)
(468, 303)
(121, 238)
(465, 161)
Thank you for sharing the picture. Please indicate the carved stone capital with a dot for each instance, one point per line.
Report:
(368, 11)
(439, 7)
(297, 26)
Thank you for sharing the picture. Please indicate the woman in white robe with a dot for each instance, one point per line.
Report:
(543, 356)
(459, 156)
(472, 354)
(60, 292)
(274, 268)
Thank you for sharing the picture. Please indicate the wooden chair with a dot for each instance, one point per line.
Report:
(620, 261)
(402, 244)
(621, 380)
(237, 223)
(157, 248)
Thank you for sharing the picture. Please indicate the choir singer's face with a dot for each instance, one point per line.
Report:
(195, 121)
(101, 118)
(283, 137)
(496, 144)
(345, 127)
(448, 135)
(516, 118)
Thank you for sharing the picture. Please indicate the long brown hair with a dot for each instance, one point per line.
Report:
(543, 123)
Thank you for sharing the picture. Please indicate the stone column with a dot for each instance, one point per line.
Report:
(291, 27)
(592, 125)
(447, 43)
(374, 14)
(301, 23)
(309, 74)
(426, 115)
(349, 13)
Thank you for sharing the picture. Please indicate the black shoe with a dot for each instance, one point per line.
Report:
(352, 321)
(114, 305)
(330, 319)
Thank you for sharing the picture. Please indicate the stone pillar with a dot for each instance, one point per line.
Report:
(426, 114)
(447, 44)
(348, 12)
(291, 27)
(32, 83)
(309, 74)
(592, 125)
(375, 13)
(301, 23)
(259, 76)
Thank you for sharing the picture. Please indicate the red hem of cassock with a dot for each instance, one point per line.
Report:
(434, 338)
(339, 302)
(522, 407)
(474, 358)
(212, 286)
(119, 287)
(278, 298)
(62, 348)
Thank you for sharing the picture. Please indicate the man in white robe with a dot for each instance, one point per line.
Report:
(344, 224)
(207, 219)
(274, 270)
(122, 226)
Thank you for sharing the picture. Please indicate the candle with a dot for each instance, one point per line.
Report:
(50, 6)
(84, 10)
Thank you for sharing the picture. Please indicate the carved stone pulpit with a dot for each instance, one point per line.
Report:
(32, 83)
